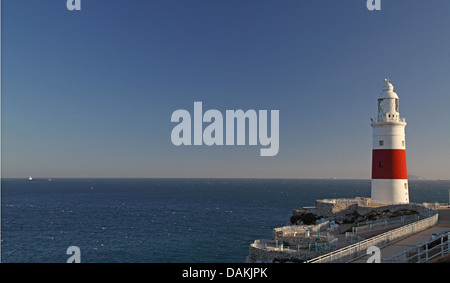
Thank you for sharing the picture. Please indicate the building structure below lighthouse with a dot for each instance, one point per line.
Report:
(389, 171)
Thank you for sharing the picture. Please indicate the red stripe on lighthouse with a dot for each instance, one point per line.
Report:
(389, 164)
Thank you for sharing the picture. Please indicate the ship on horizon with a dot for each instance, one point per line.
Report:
(29, 179)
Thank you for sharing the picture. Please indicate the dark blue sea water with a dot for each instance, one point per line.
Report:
(161, 220)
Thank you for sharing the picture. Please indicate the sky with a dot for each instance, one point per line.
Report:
(90, 93)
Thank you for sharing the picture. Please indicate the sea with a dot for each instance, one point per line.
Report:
(162, 220)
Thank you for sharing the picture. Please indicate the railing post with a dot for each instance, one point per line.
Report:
(448, 242)
(357, 249)
(418, 254)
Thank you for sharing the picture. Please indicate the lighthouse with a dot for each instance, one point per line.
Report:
(389, 174)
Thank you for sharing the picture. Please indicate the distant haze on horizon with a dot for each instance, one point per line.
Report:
(90, 93)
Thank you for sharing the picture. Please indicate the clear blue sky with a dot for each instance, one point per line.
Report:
(90, 93)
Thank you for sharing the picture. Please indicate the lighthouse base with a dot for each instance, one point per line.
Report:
(390, 191)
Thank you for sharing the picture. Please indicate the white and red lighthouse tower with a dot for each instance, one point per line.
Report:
(389, 174)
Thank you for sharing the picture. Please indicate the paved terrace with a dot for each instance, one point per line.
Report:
(416, 239)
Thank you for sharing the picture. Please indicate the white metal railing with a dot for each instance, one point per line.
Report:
(357, 250)
(435, 205)
(347, 201)
(353, 238)
(330, 241)
(439, 246)
(340, 200)
(376, 225)
(383, 119)
(301, 229)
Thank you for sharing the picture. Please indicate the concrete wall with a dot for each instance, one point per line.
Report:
(340, 211)
(284, 234)
(346, 211)
(259, 255)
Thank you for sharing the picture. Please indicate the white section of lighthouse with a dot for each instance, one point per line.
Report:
(389, 173)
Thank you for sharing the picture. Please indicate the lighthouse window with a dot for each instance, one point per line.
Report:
(396, 105)
(403, 143)
(381, 164)
(380, 142)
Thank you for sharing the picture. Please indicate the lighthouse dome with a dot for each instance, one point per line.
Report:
(388, 92)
